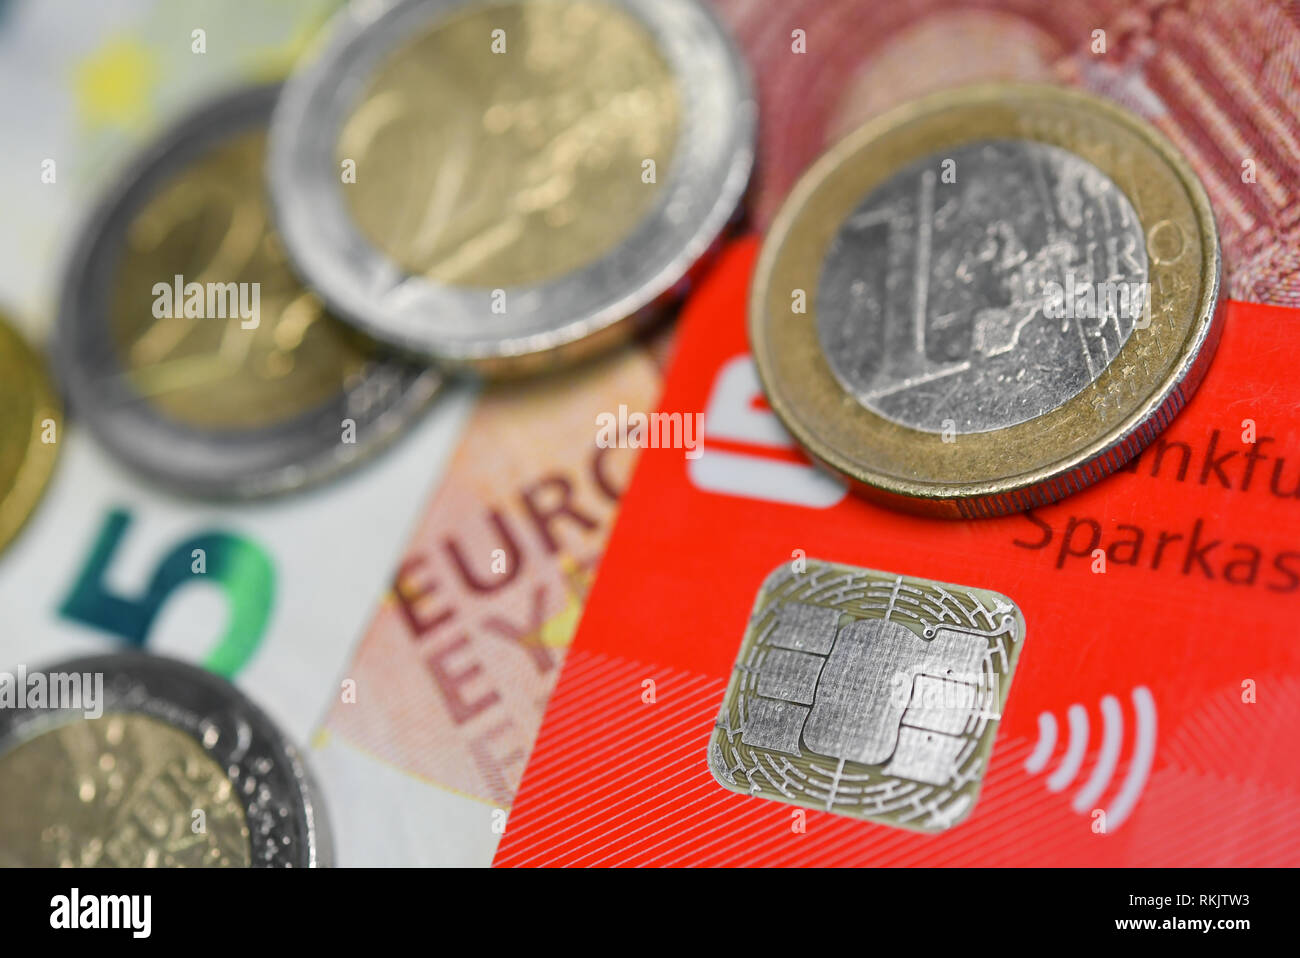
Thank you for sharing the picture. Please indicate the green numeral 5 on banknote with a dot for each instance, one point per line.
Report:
(238, 566)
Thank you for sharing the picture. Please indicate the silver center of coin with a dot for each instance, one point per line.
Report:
(982, 287)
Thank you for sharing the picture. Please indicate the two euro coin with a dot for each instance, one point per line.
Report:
(508, 185)
(190, 347)
(141, 761)
(987, 299)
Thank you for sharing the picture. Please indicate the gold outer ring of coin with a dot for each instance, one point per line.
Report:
(23, 377)
(1063, 450)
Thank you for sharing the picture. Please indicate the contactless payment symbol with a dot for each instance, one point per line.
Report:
(868, 694)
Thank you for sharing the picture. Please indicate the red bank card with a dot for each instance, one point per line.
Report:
(1154, 714)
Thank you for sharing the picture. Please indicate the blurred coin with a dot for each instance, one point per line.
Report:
(987, 299)
(179, 769)
(190, 347)
(504, 185)
(30, 420)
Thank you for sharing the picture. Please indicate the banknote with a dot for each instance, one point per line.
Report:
(89, 84)
(1220, 78)
(1150, 719)
(436, 714)
(275, 594)
(272, 595)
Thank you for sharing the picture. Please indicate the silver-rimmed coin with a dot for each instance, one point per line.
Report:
(506, 185)
(137, 760)
(188, 343)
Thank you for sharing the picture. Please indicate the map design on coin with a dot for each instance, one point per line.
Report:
(534, 179)
(987, 299)
(867, 694)
(982, 286)
(523, 157)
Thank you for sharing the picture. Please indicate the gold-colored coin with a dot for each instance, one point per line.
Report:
(508, 185)
(188, 346)
(30, 430)
(505, 145)
(210, 224)
(120, 790)
(984, 300)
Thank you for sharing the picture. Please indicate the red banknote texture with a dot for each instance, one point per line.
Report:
(1157, 693)
(1220, 78)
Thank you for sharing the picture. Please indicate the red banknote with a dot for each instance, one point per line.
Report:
(1220, 78)
(1154, 714)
